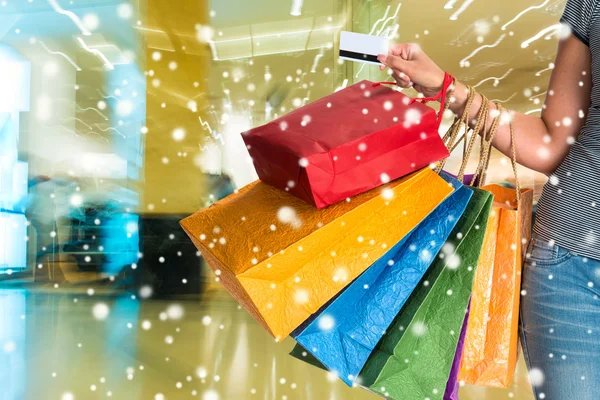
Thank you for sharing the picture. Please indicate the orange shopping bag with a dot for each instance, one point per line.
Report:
(490, 353)
(282, 258)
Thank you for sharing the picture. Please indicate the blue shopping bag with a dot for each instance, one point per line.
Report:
(342, 335)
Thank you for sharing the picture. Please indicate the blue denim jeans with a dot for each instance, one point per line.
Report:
(560, 322)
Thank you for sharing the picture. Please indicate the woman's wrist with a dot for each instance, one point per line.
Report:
(458, 102)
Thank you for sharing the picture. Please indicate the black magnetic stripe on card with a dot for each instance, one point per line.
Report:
(358, 56)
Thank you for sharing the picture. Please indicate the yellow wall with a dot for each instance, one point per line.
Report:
(175, 187)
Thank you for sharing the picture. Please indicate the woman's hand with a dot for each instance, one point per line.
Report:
(411, 67)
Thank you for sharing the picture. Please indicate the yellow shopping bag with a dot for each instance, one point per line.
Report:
(283, 259)
(491, 342)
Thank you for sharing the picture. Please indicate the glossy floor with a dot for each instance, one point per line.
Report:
(87, 345)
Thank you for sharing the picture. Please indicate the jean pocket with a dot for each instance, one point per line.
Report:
(544, 252)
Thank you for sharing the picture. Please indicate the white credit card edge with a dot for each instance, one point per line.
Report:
(362, 61)
(365, 44)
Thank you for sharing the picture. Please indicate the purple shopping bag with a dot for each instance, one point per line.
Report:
(452, 386)
(467, 179)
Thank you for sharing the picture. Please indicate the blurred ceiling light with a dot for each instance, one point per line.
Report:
(216, 136)
(209, 159)
(236, 162)
(316, 61)
(376, 30)
(519, 15)
(204, 33)
(450, 4)
(157, 39)
(344, 85)
(192, 44)
(296, 8)
(541, 33)
(273, 43)
(15, 81)
(72, 16)
(65, 56)
(460, 10)
(112, 52)
(97, 53)
(101, 165)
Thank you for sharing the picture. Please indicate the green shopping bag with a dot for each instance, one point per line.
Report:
(441, 313)
(413, 360)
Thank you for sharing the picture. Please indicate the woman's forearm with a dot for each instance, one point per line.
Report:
(541, 142)
(533, 141)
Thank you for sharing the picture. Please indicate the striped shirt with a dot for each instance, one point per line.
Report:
(569, 208)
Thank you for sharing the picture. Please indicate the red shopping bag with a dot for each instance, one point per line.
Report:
(347, 143)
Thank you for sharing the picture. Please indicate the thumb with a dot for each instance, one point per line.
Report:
(394, 62)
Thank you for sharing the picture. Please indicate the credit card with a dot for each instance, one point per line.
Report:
(362, 48)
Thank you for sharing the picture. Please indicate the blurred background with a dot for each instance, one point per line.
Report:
(119, 118)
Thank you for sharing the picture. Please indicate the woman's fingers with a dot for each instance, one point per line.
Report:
(402, 80)
(399, 49)
(389, 60)
(403, 84)
(398, 65)
(401, 75)
(394, 62)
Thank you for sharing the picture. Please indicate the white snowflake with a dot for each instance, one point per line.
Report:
(453, 262)
(287, 215)
(9, 346)
(425, 255)
(210, 395)
(100, 311)
(201, 372)
(448, 248)
(412, 117)
(387, 194)
(419, 328)
(326, 323)
(536, 377)
(301, 296)
(590, 238)
(565, 31)
(341, 275)
(175, 311)
(543, 153)
(482, 27)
